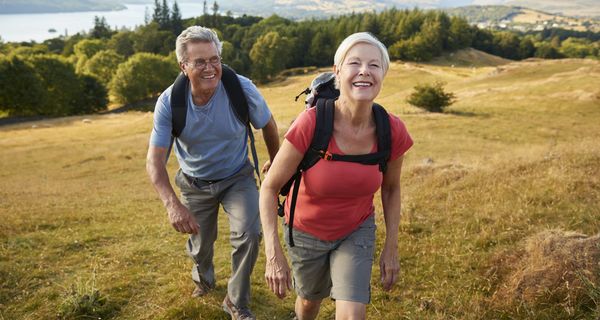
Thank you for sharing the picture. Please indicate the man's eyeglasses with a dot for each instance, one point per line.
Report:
(200, 64)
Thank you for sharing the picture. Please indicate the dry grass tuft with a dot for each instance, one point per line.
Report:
(554, 267)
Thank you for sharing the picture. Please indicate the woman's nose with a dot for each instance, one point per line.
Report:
(364, 70)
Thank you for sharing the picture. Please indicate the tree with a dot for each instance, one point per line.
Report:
(89, 47)
(70, 43)
(101, 29)
(269, 55)
(122, 43)
(506, 45)
(55, 45)
(321, 50)
(215, 10)
(176, 23)
(103, 65)
(546, 50)
(94, 95)
(431, 97)
(150, 38)
(143, 76)
(60, 81)
(416, 48)
(526, 48)
(228, 52)
(22, 90)
(161, 15)
(576, 48)
(85, 49)
(30, 51)
(461, 34)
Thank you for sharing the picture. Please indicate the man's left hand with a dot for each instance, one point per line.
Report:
(266, 167)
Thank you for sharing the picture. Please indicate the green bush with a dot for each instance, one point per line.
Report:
(63, 89)
(103, 65)
(22, 91)
(432, 98)
(94, 95)
(143, 76)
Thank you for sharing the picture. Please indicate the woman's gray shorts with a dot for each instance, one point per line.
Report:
(340, 269)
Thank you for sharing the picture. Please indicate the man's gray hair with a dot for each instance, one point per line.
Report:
(195, 34)
(361, 37)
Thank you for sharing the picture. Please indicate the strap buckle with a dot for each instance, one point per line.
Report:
(325, 155)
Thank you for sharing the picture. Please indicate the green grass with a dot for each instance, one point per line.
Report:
(82, 229)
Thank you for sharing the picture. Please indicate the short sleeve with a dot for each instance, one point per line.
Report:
(259, 111)
(301, 132)
(401, 139)
(162, 127)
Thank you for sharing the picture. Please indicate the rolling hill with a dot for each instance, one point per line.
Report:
(515, 157)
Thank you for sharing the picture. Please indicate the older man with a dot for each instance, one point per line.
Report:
(212, 151)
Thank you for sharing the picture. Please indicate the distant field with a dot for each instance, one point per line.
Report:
(516, 155)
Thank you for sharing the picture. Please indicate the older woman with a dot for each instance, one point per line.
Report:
(334, 225)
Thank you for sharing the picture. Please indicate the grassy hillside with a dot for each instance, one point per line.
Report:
(518, 154)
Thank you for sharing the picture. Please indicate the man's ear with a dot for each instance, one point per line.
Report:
(182, 68)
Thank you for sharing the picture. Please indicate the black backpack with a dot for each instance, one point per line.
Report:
(235, 94)
(320, 141)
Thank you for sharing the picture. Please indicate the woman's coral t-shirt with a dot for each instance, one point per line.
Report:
(335, 197)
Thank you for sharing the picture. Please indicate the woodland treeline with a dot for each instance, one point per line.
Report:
(83, 73)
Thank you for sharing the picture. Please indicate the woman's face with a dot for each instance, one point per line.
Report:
(361, 73)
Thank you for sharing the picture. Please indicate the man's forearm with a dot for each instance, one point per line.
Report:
(271, 137)
(160, 180)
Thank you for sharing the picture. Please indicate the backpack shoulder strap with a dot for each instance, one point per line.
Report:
(178, 102)
(323, 130)
(236, 94)
(384, 135)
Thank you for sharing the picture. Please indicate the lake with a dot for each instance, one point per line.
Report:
(27, 27)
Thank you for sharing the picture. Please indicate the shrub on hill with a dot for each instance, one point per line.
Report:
(47, 85)
(432, 98)
(103, 65)
(142, 76)
(67, 93)
(22, 91)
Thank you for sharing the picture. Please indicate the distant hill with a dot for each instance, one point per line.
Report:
(306, 8)
(575, 8)
(470, 58)
(522, 19)
(45, 6)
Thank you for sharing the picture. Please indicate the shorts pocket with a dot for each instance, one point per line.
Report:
(364, 242)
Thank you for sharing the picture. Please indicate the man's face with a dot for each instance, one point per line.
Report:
(202, 66)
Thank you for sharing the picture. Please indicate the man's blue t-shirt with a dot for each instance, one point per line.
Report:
(214, 143)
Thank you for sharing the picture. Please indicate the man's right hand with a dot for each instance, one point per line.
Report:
(182, 220)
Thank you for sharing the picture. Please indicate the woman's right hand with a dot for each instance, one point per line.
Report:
(278, 273)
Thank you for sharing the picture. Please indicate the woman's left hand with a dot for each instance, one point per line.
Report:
(389, 266)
